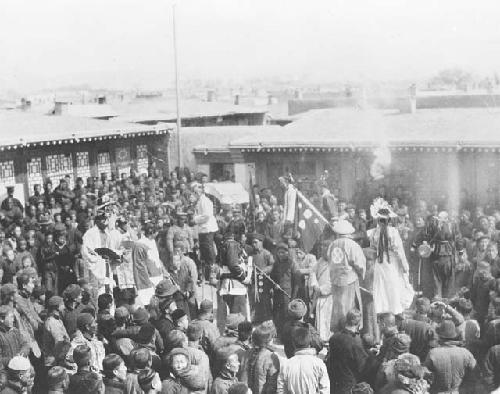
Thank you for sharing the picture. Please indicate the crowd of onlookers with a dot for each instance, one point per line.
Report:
(58, 335)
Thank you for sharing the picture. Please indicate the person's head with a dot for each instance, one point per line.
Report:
(227, 359)
(7, 293)
(9, 254)
(149, 381)
(492, 251)
(26, 262)
(206, 310)
(464, 307)
(297, 309)
(423, 305)
(86, 323)
(140, 358)
(282, 252)
(323, 249)
(81, 356)
(57, 379)
(180, 319)
(72, 294)
(122, 316)
(482, 243)
(7, 316)
(104, 301)
(176, 339)
(194, 331)
(387, 322)
(22, 245)
(55, 305)
(113, 367)
(19, 371)
(301, 337)
(399, 344)
(179, 360)
(484, 223)
(101, 221)
(244, 331)
(239, 388)
(257, 242)
(25, 283)
(89, 383)
(264, 334)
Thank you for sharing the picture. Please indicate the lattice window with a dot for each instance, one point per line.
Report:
(59, 166)
(7, 174)
(142, 159)
(82, 165)
(104, 163)
(35, 176)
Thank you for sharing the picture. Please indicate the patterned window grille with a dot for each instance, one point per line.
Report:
(82, 165)
(59, 166)
(35, 176)
(103, 163)
(7, 174)
(142, 159)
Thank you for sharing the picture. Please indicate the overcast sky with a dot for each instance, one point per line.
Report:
(128, 43)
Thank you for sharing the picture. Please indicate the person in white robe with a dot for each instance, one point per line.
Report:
(322, 293)
(347, 265)
(392, 291)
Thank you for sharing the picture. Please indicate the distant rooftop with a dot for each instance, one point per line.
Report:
(26, 129)
(363, 129)
(164, 110)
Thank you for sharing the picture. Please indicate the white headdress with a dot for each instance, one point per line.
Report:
(381, 209)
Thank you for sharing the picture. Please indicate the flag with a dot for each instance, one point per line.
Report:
(310, 222)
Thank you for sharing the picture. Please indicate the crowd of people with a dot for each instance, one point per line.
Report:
(101, 292)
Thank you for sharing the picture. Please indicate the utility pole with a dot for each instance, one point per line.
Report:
(177, 90)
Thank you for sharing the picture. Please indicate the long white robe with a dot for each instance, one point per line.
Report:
(392, 291)
(320, 276)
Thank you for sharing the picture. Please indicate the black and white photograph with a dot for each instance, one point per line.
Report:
(249, 197)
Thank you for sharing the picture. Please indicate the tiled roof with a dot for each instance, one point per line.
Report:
(360, 129)
(26, 129)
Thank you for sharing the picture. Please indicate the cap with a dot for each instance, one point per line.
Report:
(72, 292)
(194, 331)
(55, 301)
(56, 375)
(121, 313)
(297, 309)
(84, 319)
(7, 289)
(166, 288)
(141, 316)
(447, 330)
(145, 334)
(19, 363)
(178, 314)
(233, 319)
(179, 350)
(206, 306)
(282, 245)
(254, 236)
(400, 343)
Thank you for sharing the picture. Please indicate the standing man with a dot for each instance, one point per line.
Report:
(101, 276)
(10, 196)
(347, 264)
(207, 224)
(259, 298)
(234, 279)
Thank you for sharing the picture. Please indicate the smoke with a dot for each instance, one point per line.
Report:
(381, 163)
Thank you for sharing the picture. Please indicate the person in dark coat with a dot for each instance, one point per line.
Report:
(65, 262)
(282, 275)
(115, 374)
(347, 357)
(297, 309)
